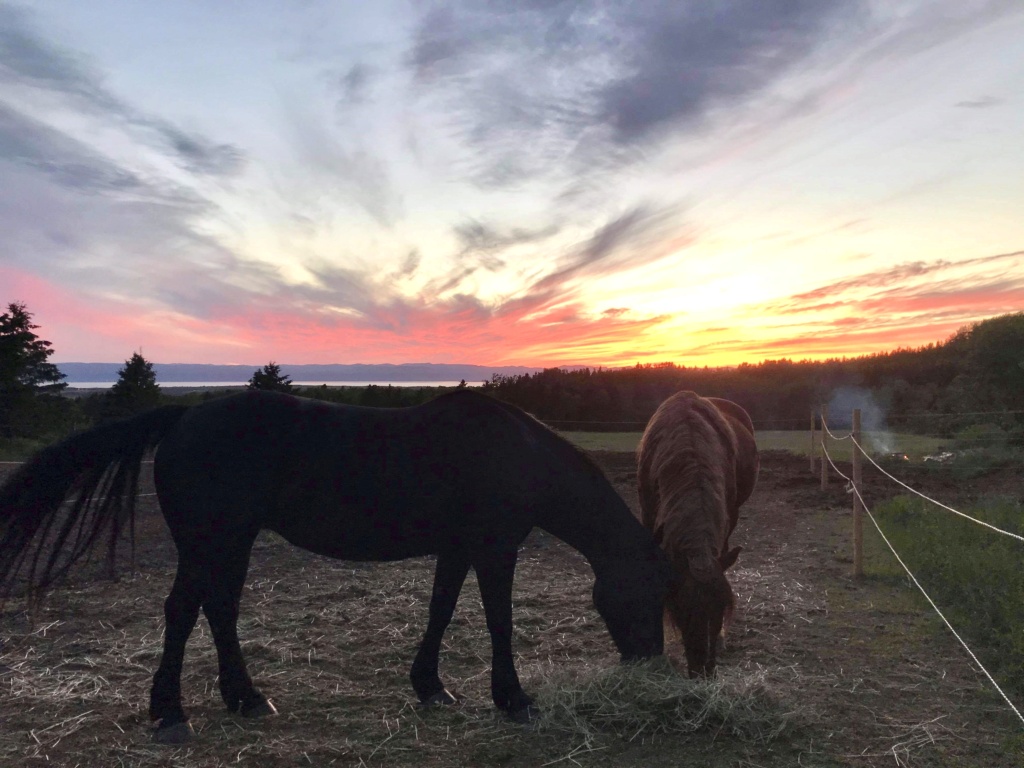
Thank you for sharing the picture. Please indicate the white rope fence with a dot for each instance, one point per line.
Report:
(867, 456)
(913, 578)
(933, 501)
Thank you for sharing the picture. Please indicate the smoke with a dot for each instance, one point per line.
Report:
(874, 431)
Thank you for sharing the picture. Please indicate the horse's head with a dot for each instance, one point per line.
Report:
(630, 596)
(700, 605)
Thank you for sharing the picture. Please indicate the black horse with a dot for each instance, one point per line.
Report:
(464, 477)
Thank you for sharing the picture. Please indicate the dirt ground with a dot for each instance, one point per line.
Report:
(865, 672)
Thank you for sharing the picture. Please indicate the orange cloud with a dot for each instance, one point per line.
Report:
(907, 305)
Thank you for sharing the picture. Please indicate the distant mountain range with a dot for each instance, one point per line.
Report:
(169, 373)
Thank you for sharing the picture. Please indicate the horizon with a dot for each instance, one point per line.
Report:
(574, 184)
(256, 366)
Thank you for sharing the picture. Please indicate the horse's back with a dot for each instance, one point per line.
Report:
(748, 462)
(355, 482)
(733, 411)
(735, 448)
(686, 472)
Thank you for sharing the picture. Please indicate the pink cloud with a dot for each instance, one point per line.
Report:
(534, 330)
(908, 305)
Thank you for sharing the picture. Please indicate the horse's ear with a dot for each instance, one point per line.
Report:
(704, 567)
(728, 560)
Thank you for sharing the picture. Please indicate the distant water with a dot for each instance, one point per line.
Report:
(205, 384)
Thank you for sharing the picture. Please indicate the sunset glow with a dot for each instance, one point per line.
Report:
(576, 183)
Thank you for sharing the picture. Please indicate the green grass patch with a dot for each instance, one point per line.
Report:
(880, 444)
(20, 448)
(972, 573)
(625, 442)
(795, 441)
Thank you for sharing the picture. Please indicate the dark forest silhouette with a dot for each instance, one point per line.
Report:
(976, 377)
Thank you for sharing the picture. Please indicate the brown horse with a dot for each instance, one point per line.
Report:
(697, 462)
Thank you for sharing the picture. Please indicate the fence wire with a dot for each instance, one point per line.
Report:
(917, 584)
(828, 431)
(933, 501)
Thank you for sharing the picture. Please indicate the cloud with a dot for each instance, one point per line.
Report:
(641, 235)
(918, 27)
(32, 144)
(905, 305)
(198, 154)
(409, 266)
(911, 279)
(28, 60)
(333, 169)
(484, 242)
(567, 92)
(77, 216)
(685, 59)
(534, 86)
(982, 102)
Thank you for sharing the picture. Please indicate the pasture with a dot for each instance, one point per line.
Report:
(794, 441)
(820, 670)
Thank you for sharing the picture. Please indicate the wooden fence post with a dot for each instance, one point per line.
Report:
(823, 441)
(858, 507)
(813, 446)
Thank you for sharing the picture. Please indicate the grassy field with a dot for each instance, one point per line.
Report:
(972, 572)
(799, 442)
(15, 449)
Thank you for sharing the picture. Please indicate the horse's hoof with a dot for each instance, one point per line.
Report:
(264, 708)
(442, 698)
(523, 716)
(175, 735)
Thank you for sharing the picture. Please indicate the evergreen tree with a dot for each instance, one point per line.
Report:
(23, 354)
(270, 378)
(24, 370)
(995, 360)
(135, 389)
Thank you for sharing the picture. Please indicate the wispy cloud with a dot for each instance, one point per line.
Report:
(627, 241)
(982, 102)
(885, 288)
(27, 59)
(468, 197)
(538, 86)
(32, 144)
(905, 305)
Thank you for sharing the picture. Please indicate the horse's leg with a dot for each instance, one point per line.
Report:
(495, 570)
(181, 609)
(449, 576)
(220, 605)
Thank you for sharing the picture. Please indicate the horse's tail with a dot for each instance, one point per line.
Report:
(99, 469)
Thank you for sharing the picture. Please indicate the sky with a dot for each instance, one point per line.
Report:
(533, 182)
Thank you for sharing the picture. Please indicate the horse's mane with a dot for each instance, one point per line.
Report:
(684, 456)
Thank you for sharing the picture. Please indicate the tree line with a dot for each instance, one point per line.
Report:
(975, 377)
(34, 404)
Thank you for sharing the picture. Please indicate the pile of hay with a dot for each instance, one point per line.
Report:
(638, 701)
